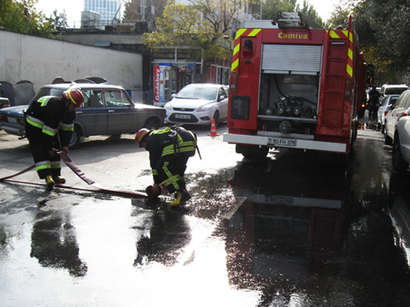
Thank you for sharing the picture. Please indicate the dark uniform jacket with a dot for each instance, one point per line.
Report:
(169, 143)
(50, 115)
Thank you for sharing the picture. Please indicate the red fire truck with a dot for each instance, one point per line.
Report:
(294, 86)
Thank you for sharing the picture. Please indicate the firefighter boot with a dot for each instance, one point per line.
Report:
(181, 198)
(177, 201)
(58, 180)
(50, 183)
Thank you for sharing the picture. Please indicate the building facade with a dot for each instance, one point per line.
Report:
(107, 11)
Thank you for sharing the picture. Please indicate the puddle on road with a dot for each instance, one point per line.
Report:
(73, 251)
(307, 236)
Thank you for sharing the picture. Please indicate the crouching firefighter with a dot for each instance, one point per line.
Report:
(169, 150)
(49, 126)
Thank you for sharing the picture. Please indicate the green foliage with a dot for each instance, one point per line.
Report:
(186, 25)
(272, 8)
(58, 21)
(21, 17)
(209, 24)
(310, 13)
(384, 29)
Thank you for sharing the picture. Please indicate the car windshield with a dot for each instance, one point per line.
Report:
(49, 91)
(194, 92)
(394, 90)
(393, 101)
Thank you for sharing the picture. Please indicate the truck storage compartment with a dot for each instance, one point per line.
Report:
(289, 88)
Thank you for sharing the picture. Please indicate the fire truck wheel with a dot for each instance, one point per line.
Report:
(254, 152)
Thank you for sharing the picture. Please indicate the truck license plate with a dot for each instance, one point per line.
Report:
(281, 142)
(182, 116)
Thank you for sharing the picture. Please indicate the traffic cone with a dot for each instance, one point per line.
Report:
(213, 128)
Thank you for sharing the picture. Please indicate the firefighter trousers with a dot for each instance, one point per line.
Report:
(172, 171)
(46, 164)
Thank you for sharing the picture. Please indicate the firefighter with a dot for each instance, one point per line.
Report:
(373, 105)
(49, 125)
(169, 150)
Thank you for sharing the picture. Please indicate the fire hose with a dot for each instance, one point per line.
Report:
(68, 162)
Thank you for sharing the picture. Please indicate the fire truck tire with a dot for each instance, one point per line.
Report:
(253, 152)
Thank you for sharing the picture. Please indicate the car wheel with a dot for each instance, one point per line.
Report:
(152, 123)
(399, 165)
(75, 138)
(387, 139)
(216, 118)
(382, 129)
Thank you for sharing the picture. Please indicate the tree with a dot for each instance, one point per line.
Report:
(21, 16)
(384, 28)
(309, 12)
(272, 8)
(143, 10)
(187, 25)
(58, 21)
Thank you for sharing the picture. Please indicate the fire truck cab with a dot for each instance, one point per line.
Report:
(294, 86)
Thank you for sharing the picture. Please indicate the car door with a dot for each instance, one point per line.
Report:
(223, 103)
(121, 112)
(92, 117)
(381, 109)
(396, 113)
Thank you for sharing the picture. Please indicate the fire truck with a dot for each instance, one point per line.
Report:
(294, 86)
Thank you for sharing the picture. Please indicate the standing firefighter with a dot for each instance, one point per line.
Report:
(169, 150)
(49, 125)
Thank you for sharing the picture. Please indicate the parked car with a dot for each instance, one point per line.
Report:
(393, 89)
(397, 132)
(386, 104)
(107, 110)
(4, 102)
(198, 103)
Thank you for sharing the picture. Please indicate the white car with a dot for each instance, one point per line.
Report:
(386, 104)
(197, 104)
(393, 89)
(398, 132)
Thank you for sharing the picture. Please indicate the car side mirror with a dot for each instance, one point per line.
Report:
(221, 97)
(173, 95)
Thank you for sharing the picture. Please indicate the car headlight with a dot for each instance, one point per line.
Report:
(205, 107)
(167, 107)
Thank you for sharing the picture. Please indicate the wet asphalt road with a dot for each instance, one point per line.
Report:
(297, 229)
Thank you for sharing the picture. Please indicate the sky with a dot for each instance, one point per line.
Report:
(73, 8)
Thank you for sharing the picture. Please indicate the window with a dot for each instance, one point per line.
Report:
(116, 98)
(92, 98)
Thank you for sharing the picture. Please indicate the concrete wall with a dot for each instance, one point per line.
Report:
(40, 60)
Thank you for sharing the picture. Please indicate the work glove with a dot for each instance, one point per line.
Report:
(153, 191)
(52, 152)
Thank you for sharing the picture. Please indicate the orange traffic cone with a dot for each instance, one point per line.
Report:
(213, 128)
